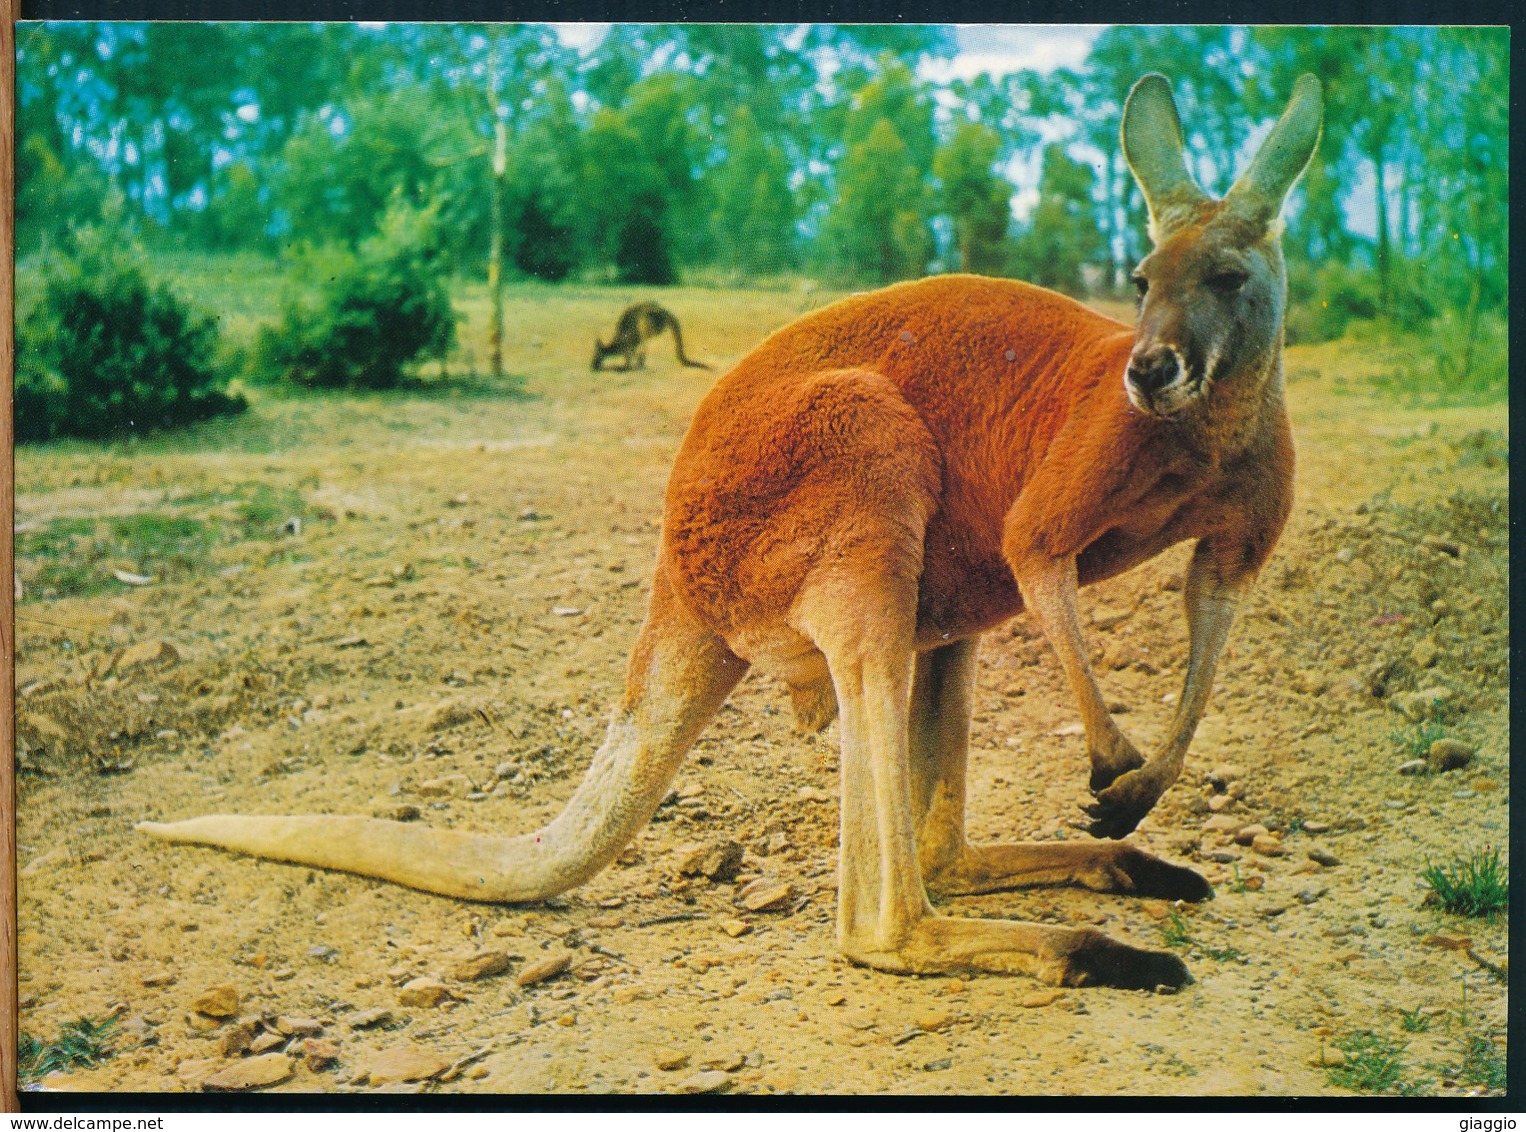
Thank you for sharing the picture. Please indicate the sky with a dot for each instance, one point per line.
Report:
(996, 49)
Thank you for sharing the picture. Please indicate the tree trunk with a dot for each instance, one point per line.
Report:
(495, 249)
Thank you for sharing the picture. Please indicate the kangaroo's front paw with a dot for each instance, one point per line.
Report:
(1112, 762)
(1122, 806)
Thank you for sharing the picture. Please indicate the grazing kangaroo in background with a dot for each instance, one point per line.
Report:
(640, 322)
(873, 487)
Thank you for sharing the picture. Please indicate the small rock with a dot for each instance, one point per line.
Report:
(254, 1073)
(605, 922)
(728, 1063)
(766, 894)
(405, 812)
(1449, 754)
(158, 979)
(955, 986)
(1221, 856)
(449, 715)
(299, 1027)
(266, 1042)
(1268, 846)
(146, 654)
(1109, 617)
(1316, 827)
(543, 969)
(423, 992)
(935, 1020)
(1037, 998)
(669, 1059)
(1309, 895)
(237, 1038)
(1167, 988)
(1220, 802)
(1248, 833)
(320, 1052)
(1421, 705)
(811, 794)
(1413, 766)
(367, 1019)
(322, 952)
(1323, 856)
(1222, 823)
(1425, 653)
(217, 1002)
(405, 1063)
(483, 965)
(1309, 683)
(1327, 1059)
(705, 1081)
(565, 610)
(735, 928)
(447, 786)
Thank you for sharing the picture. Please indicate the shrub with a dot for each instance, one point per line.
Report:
(1477, 885)
(105, 351)
(377, 312)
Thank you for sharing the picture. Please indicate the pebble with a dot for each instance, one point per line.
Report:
(266, 1042)
(217, 1002)
(1268, 846)
(1221, 856)
(366, 1019)
(603, 922)
(811, 794)
(955, 986)
(1220, 802)
(729, 1063)
(319, 1052)
(935, 1020)
(1449, 940)
(1248, 833)
(159, 979)
(735, 928)
(720, 861)
(237, 1038)
(705, 1081)
(1413, 766)
(423, 992)
(483, 965)
(1316, 827)
(252, 1073)
(1037, 998)
(1421, 705)
(144, 654)
(766, 894)
(1109, 617)
(1323, 856)
(299, 1027)
(447, 786)
(1327, 1058)
(543, 969)
(405, 1063)
(1425, 653)
(1449, 754)
(669, 1059)
(1221, 823)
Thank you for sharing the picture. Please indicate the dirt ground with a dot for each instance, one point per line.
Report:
(444, 626)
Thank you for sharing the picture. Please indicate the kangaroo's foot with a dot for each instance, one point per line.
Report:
(1109, 866)
(1069, 957)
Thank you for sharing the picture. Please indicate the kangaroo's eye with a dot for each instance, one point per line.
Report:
(1141, 284)
(1228, 281)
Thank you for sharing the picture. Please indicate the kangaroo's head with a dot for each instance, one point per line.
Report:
(1213, 290)
(600, 352)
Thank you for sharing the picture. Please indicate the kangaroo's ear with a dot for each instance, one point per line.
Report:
(1152, 145)
(1261, 189)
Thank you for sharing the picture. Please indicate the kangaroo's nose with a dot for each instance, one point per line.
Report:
(1154, 369)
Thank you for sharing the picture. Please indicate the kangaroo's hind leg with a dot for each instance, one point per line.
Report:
(938, 739)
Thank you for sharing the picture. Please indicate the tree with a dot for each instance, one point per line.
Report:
(754, 215)
(877, 228)
(975, 196)
(1063, 237)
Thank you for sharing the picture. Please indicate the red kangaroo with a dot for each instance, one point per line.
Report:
(875, 486)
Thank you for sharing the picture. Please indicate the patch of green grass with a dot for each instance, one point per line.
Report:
(1175, 931)
(1373, 1062)
(1482, 1063)
(1415, 1021)
(1418, 739)
(1476, 885)
(79, 1045)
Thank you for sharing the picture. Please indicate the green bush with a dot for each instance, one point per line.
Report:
(372, 315)
(104, 351)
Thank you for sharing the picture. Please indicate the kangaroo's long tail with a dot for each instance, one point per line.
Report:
(678, 345)
(679, 675)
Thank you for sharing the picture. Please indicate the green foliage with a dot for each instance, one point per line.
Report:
(1482, 1063)
(80, 1045)
(371, 316)
(1418, 739)
(1476, 885)
(104, 351)
(754, 215)
(877, 228)
(1373, 1062)
(1415, 1021)
(975, 196)
(1064, 235)
(1176, 932)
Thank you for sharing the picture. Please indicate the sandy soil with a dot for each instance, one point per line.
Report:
(447, 629)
